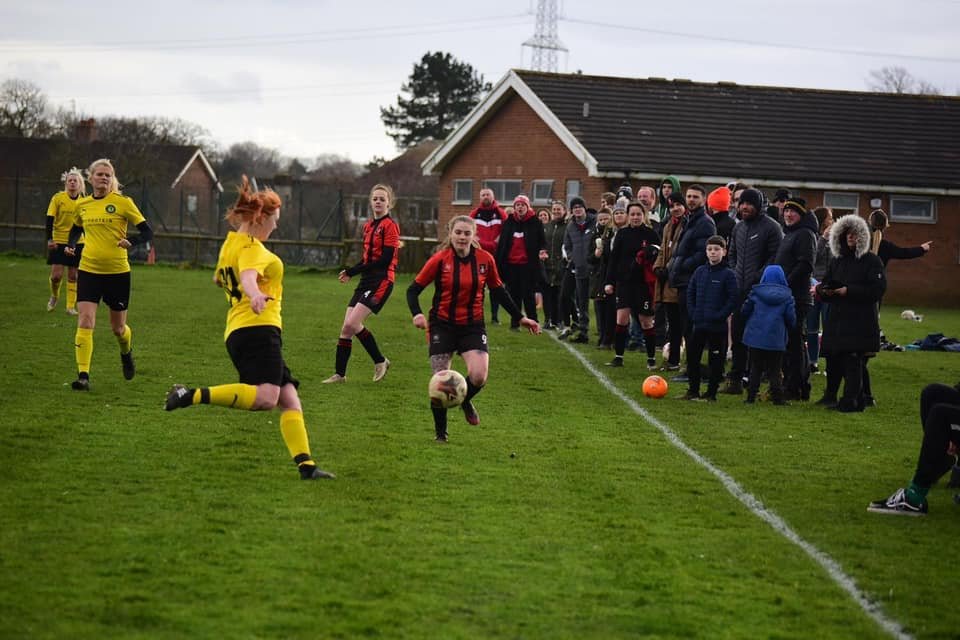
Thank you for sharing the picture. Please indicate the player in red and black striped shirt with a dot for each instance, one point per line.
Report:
(377, 266)
(460, 270)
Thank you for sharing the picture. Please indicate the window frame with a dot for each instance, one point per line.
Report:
(533, 191)
(501, 194)
(458, 182)
(931, 219)
(573, 192)
(855, 210)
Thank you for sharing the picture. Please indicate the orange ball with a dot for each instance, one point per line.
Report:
(655, 387)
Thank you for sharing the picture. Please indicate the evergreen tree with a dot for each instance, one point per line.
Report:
(441, 92)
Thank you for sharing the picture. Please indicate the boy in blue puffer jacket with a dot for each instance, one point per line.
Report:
(769, 312)
(712, 296)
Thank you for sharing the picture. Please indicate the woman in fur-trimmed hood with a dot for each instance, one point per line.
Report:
(853, 286)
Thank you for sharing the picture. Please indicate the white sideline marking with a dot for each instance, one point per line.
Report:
(831, 566)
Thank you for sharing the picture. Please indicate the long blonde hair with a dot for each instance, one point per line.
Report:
(115, 185)
(446, 244)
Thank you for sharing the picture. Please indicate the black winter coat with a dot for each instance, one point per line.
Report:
(853, 324)
(753, 246)
(533, 237)
(796, 255)
(690, 251)
(724, 224)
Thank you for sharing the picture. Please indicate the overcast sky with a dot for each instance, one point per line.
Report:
(307, 77)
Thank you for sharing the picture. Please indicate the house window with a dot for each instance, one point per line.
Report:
(842, 204)
(542, 191)
(358, 208)
(504, 190)
(913, 209)
(413, 210)
(462, 191)
(192, 203)
(573, 190)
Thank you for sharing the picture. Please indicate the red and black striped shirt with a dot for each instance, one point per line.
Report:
(459, 284)
(381, 250)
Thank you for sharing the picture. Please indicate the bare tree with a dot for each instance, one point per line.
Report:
(333, 167)
(23, 109)
(249, 158)
(899, 80)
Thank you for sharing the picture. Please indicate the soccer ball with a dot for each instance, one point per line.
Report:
(654, 387)
(447, 389)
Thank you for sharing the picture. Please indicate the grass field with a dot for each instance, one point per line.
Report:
(120, 520)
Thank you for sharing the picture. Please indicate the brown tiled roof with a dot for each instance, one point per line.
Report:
(775, 133)
(47, 159)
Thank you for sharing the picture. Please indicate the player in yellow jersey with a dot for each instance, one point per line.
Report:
(104, 271)
(252, 279)
(60, 213)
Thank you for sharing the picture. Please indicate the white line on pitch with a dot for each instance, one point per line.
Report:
(831, 566)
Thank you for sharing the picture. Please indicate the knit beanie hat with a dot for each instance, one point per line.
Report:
(719, 199)
(522, 198)
(797, 204)
(754, 197)
(676, 197)
(577, 201)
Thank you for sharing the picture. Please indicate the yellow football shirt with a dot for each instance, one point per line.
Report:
(62, 209)
(105, 221)
(241, 252)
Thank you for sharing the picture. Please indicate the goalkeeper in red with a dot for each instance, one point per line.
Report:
(459, 271)
(252, 279)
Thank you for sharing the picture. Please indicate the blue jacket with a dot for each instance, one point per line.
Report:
(712, 295)
(769, 311)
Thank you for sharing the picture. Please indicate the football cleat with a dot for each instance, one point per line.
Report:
(71, 311)
(313, 472)
(80, 384)
(52, 303)
(335, 378)
(129, 369)
(179, 397)
(380, 369)
(470, 413)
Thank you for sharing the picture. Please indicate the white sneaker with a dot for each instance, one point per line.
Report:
(380, 369)
(335, 378)
(52, 303)
(72, 312)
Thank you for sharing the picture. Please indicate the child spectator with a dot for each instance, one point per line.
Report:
(711, 297)
(768, 313)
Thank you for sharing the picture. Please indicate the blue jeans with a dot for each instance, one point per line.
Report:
(816, 319)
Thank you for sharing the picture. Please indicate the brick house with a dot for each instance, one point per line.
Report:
(553, 136)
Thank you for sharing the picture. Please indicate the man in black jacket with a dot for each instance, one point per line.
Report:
(753, 245)
(796, 255)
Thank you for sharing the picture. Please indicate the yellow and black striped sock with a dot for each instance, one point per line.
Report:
(294, 433)
(125, 340)
(83, 342)
(232, 396)
(71, 294)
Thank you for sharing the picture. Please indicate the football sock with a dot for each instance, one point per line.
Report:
(650, 342)
(916, 494)
(472, 390)
(439, 421)
(620, 339)
(294, 433)
(71, 294)
(55, 288)
(344, 346)
(125, 339)
(83, 342)
(370, 344)
(232, 396)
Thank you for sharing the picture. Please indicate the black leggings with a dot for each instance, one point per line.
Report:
(939, 409)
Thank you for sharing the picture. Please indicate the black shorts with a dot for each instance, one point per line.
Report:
(634, 296)
(449, 338)
(372, 295)
(256, 353)
(57, 256)
(112, 288)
